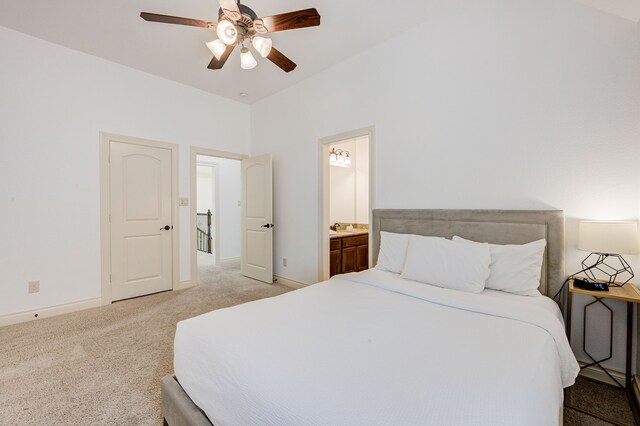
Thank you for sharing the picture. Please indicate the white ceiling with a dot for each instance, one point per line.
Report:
(628, 9)
(112, 29)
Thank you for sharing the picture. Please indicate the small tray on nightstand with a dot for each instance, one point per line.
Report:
(627, 292)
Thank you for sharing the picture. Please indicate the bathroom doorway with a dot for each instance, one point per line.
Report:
(347, 199)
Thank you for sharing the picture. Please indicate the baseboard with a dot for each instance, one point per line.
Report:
(289, 282)
(595, 373)
(183, 285)
(51, 311)
(229, 261)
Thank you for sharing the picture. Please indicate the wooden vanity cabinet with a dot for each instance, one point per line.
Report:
(349, 254)
(335, 258)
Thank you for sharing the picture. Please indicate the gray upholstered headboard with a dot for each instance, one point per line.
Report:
(491, 226)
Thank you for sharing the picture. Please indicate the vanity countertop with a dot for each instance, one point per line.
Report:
(341, 234)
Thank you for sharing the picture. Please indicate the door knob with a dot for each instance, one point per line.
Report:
(268, 225)
(166, 228)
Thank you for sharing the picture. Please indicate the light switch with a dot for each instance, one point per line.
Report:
(184, 202)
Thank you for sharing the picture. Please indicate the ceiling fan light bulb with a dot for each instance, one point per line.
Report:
(247, 61)
(217, 47)
(227, 32)
(262, 45)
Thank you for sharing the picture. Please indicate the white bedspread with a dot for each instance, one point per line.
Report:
(374, 349)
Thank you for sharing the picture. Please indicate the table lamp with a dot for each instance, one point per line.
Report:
(607, 241)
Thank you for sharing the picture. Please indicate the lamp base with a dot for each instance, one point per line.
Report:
(609, 267)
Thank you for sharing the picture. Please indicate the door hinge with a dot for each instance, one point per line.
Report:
(110, 278)
(109, 218)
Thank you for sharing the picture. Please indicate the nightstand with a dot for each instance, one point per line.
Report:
(627, 293)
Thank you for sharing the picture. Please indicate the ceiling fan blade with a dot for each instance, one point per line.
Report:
(288, 21)
(281, 60)
(154, 17)
(230, 9)
(216, 64)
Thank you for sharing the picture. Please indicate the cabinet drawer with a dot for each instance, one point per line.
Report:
(357, 240)
(334, 244)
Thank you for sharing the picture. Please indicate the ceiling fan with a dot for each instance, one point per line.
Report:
(236, 24)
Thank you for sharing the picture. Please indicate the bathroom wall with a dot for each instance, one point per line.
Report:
(349, 186)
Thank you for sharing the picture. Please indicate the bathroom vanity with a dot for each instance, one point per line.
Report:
(349, 252)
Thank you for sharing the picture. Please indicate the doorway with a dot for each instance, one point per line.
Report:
(218, 213)
(347, 168)
(256, 240)
(207, 202)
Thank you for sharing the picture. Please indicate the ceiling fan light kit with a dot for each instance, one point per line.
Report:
(238, 23)
(262, 45)
(217, 47)
(227, 32)
(247, 61)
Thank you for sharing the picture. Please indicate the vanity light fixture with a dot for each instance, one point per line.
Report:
(339, 158)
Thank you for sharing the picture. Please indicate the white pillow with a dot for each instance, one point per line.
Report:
(444, 263)
(393, 250)
(514, 268)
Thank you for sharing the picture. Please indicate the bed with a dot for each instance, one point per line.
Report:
(375, 348)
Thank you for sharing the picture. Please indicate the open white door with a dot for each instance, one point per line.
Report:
(256, 259)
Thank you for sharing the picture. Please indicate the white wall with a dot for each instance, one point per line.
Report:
(362, 179)
(53, 103)
(205, 188)
(230, 213)
(349, 186)
(527, 104)
(342, 187)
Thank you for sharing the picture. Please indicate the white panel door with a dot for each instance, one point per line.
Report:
(141, 226)
(256, 260)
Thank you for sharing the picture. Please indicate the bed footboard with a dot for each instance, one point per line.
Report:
(177, 407)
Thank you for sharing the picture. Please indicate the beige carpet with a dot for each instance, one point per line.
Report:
(103, 366)
(602, 401)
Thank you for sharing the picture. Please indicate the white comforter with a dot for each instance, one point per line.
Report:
(374, 349)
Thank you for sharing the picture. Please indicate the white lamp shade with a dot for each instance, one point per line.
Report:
(262, 45)
(227, 32)
(217, 47)
(247, 61)
(608, 237)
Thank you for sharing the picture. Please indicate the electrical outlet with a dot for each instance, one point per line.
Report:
(284, 261)
(34, 286)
